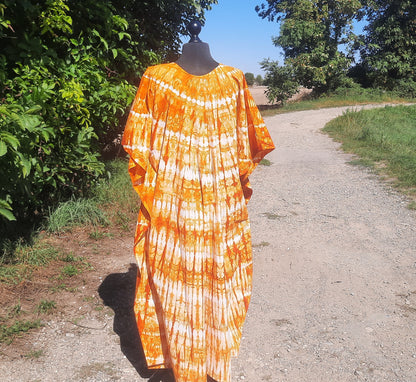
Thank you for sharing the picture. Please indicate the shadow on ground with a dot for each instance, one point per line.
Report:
(117, 292)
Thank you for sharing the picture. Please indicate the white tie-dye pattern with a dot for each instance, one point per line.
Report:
(193, 244)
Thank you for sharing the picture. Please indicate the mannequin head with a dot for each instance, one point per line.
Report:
(194, 29)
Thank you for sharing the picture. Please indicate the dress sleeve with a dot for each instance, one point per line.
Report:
(136, 138)
(254, 140)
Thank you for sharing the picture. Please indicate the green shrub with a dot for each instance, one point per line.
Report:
(59, 108)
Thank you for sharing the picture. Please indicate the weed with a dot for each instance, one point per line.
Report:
(9, 333)
(412, 206)
(41, 253)
(261, 244)
(97, 235)
(19, 264)
(15, 311)
(14, 274)
(271, 216)
(265, 162)
(69, 271)
(34, 354)
(281, 321)
(12, 312)
(46, 307)
(79, 263)
(69, 258)
(91, 370)
(58, 288)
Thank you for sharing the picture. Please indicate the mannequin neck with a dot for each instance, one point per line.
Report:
(196, 59)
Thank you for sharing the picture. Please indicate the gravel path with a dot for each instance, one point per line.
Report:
(335, 265)
(334, 286)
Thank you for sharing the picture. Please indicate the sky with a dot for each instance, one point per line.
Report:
(238, 37)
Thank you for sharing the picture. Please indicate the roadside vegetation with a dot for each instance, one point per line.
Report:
(111, 207)
(354, 96)
(112, 201)
(384, 139)
(323, 52)
(68, 74)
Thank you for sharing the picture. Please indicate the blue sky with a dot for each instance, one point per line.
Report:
(237, 36)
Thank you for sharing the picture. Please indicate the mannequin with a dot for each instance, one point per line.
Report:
(196, 58)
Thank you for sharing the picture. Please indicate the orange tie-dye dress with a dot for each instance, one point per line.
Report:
(193, 141)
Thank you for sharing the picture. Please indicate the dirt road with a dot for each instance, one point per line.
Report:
(334, 296)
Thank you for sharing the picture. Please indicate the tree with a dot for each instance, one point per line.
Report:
(389, 50)
(311, 33)
(249, 78)
(67, 70)
(155, 26)
(259, 80)
(280, 81)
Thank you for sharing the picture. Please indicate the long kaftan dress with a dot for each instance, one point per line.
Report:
(193, 141)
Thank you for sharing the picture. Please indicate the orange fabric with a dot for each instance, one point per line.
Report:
(193, 141)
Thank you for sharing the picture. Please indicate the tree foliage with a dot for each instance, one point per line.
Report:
(258, 80)
(249, 78)
(311, 33)
(67, 75)
(389, 48)
(280, 81)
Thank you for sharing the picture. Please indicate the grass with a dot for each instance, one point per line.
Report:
(384, 139)
(342, 97)
(9, 332)
(18, 260)
(112, 201)
(69, 271)
(109, 199)
(76, 212)
(77, 265)
(46, 307)
(98, 235)
(117, 191)
(12, 312)
(34, 354)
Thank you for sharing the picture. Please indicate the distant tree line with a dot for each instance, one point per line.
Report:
(253, 80)
(312, 33)
(68, 70)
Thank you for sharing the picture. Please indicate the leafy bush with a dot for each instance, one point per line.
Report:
(68, 71)
(280, 81)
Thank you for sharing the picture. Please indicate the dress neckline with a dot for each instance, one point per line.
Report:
(195, 75)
